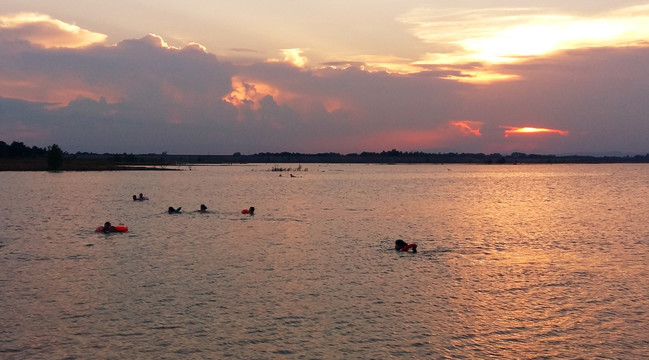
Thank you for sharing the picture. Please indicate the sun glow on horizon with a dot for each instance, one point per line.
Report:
(482, 77)
(511, 130)
(506, 35)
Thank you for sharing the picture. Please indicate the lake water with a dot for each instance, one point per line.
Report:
(514, 262)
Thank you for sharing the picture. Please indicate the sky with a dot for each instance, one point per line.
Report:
(250, 76)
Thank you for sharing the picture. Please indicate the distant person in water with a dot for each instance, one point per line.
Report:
(174, 211)
(401, 245)
(203, 208)
(108, 227)
(140, 198)
(250, 210)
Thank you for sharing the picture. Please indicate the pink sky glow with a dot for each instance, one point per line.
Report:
(463, 79)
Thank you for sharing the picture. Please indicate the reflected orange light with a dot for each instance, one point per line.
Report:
(511, 130)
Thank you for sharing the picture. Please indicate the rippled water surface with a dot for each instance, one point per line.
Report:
(514, 262)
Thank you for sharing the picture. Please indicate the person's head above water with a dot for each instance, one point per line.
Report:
(203, 208)
(401, 245)
(108, 227)
(252, 210)
(171, 210)
(134, 198)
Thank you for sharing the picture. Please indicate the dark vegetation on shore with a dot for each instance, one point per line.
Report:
(18, 157)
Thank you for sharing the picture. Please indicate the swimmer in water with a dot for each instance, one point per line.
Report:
(203, 208)
(174, 211)
(401, 245)
(108, 227)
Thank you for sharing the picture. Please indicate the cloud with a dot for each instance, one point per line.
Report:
(131, 70)
(294, 57)
(40, 29)
(501, 35)
(142, 95)
(469, 127)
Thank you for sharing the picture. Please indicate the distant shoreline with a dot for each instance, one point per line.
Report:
(165, 162)
(40, 164)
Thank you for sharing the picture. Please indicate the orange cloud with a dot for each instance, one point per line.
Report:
(511, 130)
(42, 30)
(251, 92)
(469, 127)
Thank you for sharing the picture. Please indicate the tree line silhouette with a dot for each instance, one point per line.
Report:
(18, 156)
(20, 150)
(53, 154)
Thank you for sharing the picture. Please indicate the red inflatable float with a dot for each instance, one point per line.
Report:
(410, 246)
(118, 228)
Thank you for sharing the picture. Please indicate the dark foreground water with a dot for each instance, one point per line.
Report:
(515, 262)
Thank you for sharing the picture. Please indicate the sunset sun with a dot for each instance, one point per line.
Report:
(510, 130)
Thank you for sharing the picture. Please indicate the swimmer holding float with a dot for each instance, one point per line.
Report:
(401, 245)
(108, 228)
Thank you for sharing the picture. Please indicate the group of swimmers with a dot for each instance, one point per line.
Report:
(399, 245)
(203, 209)
(107, 228)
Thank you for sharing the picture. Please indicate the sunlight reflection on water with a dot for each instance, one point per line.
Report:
(514, 262)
